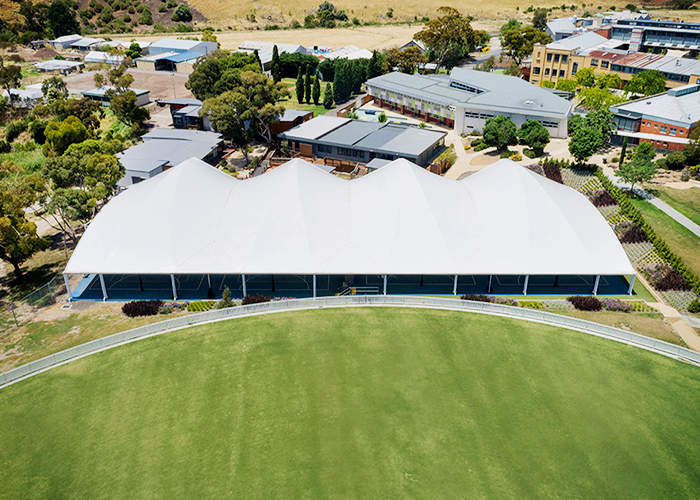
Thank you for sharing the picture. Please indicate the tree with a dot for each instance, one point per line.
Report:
(511, 24)
(623, 151)
(182, 13)
(307, 85)
(226, 113)
(574, 123)
(60, 135)
(275, 65)
(539, 19)
(584, 142)
(535, 135)
(299, 86)
(134, 51)
(648, 82)
(10, 78)
(316, 91)
(682, 4)
(407, 60)
(596, 98)
(566, 85)
(18, 238)
(608, 81)
(500, 132)
(328, 96)
(382, 118)
(483, 37)
(258, 60)
(61, 18)
(219, 72)
(487, 65)
(374, 66)
(209, 36)
(124, 107)
(641, 168)
(585, 77)
(518, 43)
(449, 32)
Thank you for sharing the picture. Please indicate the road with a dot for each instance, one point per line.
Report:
(496, 49)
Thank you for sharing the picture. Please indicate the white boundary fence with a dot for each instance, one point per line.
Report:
(616, 334)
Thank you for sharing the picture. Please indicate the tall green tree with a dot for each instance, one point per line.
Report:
(61, 18)
(518, 42)
(60, 135)
(374, 67)
(539, 19)
(585, 77)
(448, 32)
(648, 82)
(641, 168)
(316, 91)
(407, 60)
(584, 142)
(307, 85)
(328, 96)
(10, 77)
(275, 69)
(535, 135)
(299, 86)
(257, 58)
(623, 152)
(500, 132)
(219, 72)
(18, 237)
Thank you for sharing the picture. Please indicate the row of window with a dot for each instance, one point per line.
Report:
(482, 116)
(564, 57)
(663, 129)
(351, 152)
(536, 71)
(603, 64)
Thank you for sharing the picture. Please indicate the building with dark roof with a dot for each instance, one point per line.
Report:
(465, 99)
(361, 141)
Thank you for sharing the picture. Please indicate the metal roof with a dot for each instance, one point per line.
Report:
(663, 63)
(313, 129)
(582, 41)
(562, 25)
(350, 133)
(172, 43)
(101, 91)
(292, 114)
(682, 110)
(183, 56)
(250, 46)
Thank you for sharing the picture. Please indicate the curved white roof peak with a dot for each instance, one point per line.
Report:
(400, 219)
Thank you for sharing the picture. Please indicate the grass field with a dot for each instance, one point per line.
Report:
(357, 403)
(686, 201)
(681, 241)
(293, 102)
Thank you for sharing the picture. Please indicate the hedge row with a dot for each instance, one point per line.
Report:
(628, 208)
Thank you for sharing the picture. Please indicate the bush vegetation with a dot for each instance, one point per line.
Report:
(142, 308)
(255, 298)
(585, 303)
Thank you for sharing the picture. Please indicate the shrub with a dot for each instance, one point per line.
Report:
(615, 159)
(142, 308)
(694, 307)
(477, 141)
(480, 147)
(553, 171)
(200, 306)
(13, 129)
(532, 304)
(602, 198)
(476, 297)
(664, 277)
(255, 298)
(475, 133)
(173, 307)
(225, 301)
(585, 303)
(5, 147)
(632, 233)
(506, 154)
(516, 157)
(617, 305)
(529, 153)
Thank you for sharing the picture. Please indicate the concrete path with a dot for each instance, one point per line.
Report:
(661, 205)
(682, 328)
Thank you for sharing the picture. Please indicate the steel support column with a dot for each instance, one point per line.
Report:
(488, 290)
(385, 284)
(172, 282)
(595, 286)
(630, 291)
(527, 280)
(454, 289)
(104, 287)
(314, 286)
(244, 289)
(68, 290)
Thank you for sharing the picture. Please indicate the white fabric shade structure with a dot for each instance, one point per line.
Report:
(398, 220)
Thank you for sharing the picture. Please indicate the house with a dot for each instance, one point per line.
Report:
(282, 48)
(164, 148)
(414, 43)
(348, 52)
(361, 141)
(64, 42)
(62, 66)
(179, 62)
(100, 95)
(290, 119)
(465, 99)
(25, 98)
(96, 56)
(167, 45)
(86, 44)
(185, 113)
(666, 120)
(126, 44)
(562, 28)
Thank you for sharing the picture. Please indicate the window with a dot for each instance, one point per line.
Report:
(546, 71)
(663, 129)
(574, 69)
(536, 71)
(672, 131)
(323, 148)
(556, 57)
(594, 62)
(564, 58)
(656, 125)
(345, 151)
(604, 64)
(549, 57)
(562, 73)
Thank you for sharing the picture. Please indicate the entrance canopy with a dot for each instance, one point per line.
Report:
(398, 220)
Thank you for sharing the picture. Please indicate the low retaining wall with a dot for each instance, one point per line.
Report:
(616, 334)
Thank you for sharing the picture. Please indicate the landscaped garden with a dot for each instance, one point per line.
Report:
(377, 402)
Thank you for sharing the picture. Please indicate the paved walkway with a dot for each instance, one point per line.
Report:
(679, 324)
(661, 205)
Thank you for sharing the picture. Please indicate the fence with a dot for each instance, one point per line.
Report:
(589, 327)
(22, 311)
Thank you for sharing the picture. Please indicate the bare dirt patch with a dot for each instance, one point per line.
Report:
(163, 85)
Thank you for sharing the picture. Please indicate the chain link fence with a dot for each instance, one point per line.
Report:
(21, 311)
